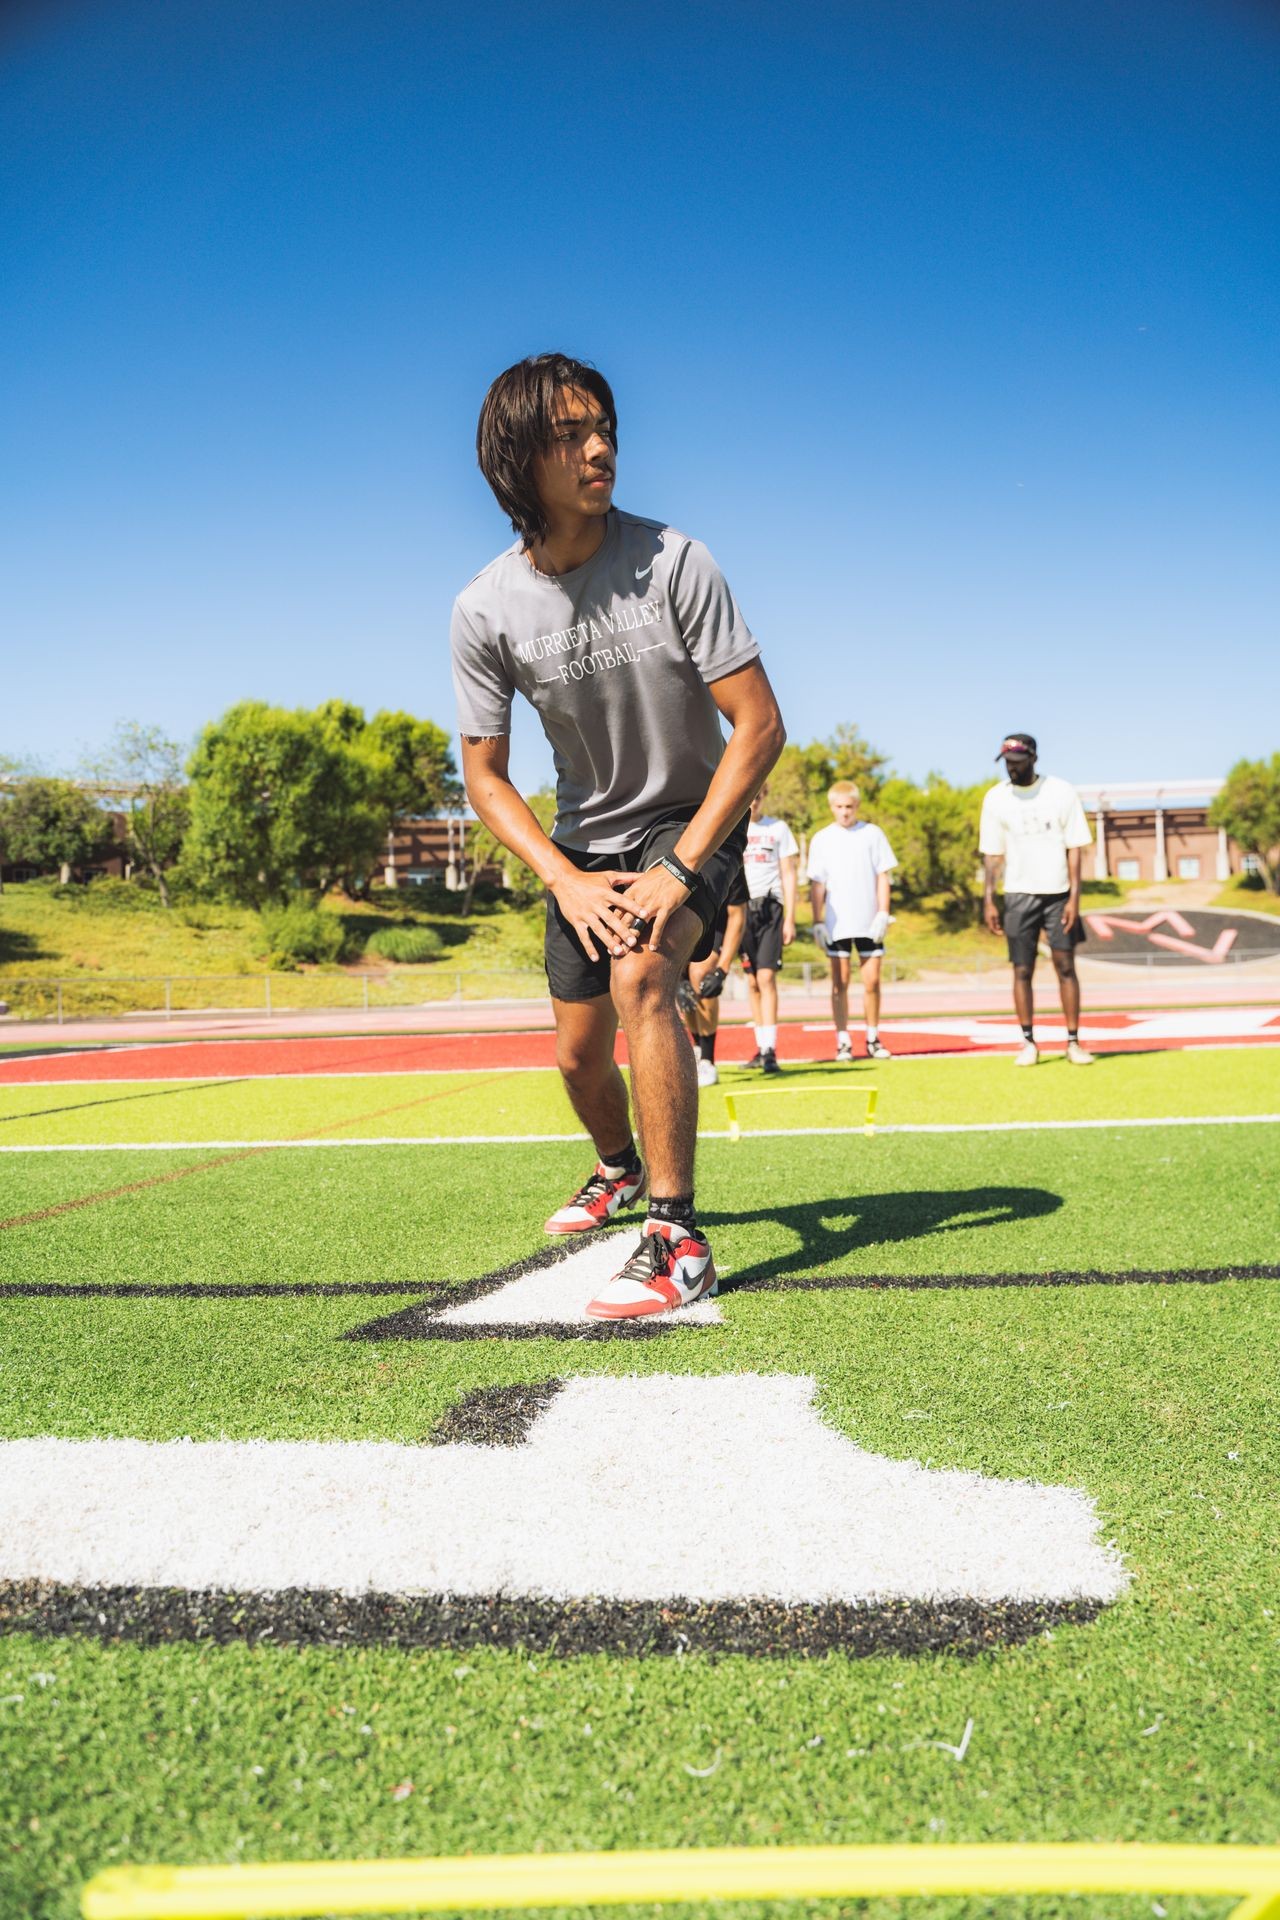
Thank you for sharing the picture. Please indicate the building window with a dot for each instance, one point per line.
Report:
(1250, 863)
(1128, 870)
(1188, 866)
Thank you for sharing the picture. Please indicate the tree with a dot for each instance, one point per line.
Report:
(933, 829)
(423, 779)
(281, 800)
(1248, 808)
(799, 783)
(51, 823)
(486, 850)
(145, 768)
(414, 769)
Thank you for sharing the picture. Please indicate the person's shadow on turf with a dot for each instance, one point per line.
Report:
(828, 1230)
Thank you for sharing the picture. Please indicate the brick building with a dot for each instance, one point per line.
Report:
(1147, 830)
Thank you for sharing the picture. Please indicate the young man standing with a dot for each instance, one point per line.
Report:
(1036, 825)
(624, 637)
(849, 866)
(771, 861)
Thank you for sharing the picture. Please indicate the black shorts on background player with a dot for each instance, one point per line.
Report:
(570, 974)
(1027, 915)
(762, 941)
(737, 896)
(865, 949)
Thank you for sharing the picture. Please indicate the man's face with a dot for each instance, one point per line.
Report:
(1021, 768)
(575, 474)
(844, 808)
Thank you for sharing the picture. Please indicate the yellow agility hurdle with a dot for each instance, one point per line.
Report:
(868, 1087)
(716, 1873)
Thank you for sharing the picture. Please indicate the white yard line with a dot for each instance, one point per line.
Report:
(577, 1511)
(711, 1133)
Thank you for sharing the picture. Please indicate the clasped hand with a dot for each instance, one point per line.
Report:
(605, 920)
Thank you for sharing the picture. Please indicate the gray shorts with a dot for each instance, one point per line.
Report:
(570, 974)
(1027, 916)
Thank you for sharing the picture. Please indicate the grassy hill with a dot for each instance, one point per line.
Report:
(114, 946)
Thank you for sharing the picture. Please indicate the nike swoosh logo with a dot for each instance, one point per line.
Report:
(643, 572)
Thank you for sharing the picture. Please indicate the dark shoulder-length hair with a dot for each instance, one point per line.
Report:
(516, 424)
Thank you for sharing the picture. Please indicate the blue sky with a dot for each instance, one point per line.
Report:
(951, 329)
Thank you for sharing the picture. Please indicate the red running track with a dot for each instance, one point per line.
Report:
(419, 1053)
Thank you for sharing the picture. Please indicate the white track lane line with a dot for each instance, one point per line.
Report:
(752, 1133)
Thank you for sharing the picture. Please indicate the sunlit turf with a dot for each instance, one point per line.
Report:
(1158, 1722)
(910, 1091)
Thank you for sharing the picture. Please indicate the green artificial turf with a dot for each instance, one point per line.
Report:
(1158, 1722)
(910, 1092)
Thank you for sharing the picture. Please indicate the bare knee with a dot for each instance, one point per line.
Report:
(1065, 964)
(643, 984)
(580, 1069)
(1024, 972)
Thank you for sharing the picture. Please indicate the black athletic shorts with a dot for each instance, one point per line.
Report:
(865, 949)
(570, 975)
(1027, 915)
(762, 941)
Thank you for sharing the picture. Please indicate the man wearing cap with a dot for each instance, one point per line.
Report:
(1036, 825)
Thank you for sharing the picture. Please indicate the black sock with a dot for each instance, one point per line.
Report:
(707, 1045)
(676, 1211)
(1073, 1034)
(1028, 1033)
(627, 1160)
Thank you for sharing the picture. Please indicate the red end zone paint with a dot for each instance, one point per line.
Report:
(513, 1052)
(438, 1053)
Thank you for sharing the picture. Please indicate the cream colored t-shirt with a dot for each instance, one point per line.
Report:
(1032, 827)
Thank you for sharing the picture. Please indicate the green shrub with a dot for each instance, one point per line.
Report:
(109, 894)
(408, 945)
(301, 932)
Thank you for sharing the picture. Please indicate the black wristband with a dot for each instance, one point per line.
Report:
(676, 866)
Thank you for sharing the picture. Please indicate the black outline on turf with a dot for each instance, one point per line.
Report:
(1088, 1277)
(198, 1289)
(159, 1616)
(494, 1416)
(421, 1320)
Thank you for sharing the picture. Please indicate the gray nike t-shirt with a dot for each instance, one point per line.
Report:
(616, 657)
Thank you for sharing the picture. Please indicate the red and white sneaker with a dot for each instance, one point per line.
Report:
(595, 1204)
(670, 1268)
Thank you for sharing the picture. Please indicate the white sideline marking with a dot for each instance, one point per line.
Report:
(577, 1512)
(558, 1294)
(711, 1133)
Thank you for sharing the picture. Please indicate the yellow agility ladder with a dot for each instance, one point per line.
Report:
(715, 1873)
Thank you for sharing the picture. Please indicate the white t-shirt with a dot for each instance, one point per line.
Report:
(848, 861)
(769, 843)
(1033, 827)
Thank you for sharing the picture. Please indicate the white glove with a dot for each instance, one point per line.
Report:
(879, 927)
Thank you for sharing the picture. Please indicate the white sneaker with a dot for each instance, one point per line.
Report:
(844, 1050)
(595, 1204)
(877, 1050)
(670, 1268)
(707, 1075)
(1028, 1056)
(1078, 1056)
